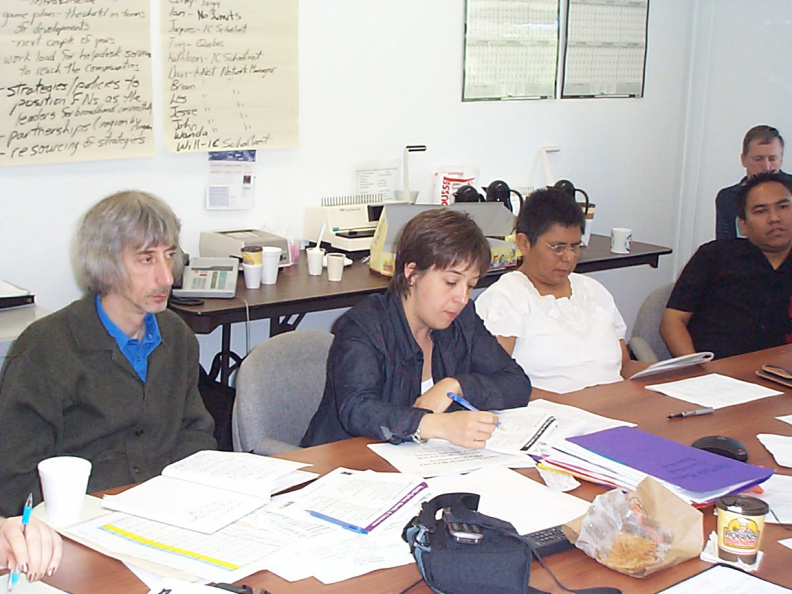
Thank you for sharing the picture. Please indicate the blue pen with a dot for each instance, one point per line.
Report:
(338, 522)
(462, 402)
(13, 577)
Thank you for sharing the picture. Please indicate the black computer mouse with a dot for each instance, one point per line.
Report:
(723, 446)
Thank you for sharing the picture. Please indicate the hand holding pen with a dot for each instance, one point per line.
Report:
(28, 546)
(464, 403)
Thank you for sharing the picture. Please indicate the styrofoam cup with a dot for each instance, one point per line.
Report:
(270, 260)
(64, 481)
(315, 260)
(335, 266)
(252, 275)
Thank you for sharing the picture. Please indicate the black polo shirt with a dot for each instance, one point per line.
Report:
(739, 302)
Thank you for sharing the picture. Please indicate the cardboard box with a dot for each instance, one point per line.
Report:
(494, 219)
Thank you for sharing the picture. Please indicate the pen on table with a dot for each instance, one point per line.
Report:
(338, 522)
(462, 402)
(692, 413)
(13, 577)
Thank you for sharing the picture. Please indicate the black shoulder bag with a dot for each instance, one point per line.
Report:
(467, 552)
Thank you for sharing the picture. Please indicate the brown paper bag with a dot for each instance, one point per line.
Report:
(641, 532)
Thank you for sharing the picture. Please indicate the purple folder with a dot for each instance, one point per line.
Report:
(687, 467)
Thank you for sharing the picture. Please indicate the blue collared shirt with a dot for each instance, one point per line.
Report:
(136, 351)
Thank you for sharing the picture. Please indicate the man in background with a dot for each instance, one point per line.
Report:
(113, 377)
(735, 295)
(762, 152)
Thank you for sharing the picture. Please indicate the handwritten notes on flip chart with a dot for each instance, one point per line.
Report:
(75, 80)
(229, 74)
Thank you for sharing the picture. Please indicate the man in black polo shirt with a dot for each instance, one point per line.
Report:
(734, 294)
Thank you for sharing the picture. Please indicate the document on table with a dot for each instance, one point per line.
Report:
(227, 555)
(234, 471)
(778, 445)
(183, 504)
(575, 421)
(713, 389)
(675, 364)
(510, 496)
(786, 419)
(522, 430)
(440, 457)
(359, 500)
(721, 578)
(777, 492)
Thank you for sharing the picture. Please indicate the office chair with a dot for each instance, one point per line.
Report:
(646, 344)
(279, 387)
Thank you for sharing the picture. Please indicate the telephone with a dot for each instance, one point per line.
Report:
(208, 277)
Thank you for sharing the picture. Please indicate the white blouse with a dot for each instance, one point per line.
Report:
(562, 344)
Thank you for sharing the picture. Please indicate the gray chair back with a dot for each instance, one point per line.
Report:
(647, 325)
(278, 389)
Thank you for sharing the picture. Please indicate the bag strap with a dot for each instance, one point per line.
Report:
(429, 509)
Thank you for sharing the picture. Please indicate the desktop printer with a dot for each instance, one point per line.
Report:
(349, 227)
(224, 244)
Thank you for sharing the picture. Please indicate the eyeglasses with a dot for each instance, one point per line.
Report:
(560, 249)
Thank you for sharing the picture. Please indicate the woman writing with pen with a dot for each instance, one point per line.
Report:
(35, 551)
(396, 357)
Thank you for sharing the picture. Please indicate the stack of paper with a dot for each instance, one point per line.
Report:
(208, 490)
(623, 456)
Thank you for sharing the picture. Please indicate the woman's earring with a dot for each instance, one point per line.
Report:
(411, 282)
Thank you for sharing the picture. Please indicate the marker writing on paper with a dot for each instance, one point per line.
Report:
(13, 577)
(338, 522)
(692, 413)
(462, 402)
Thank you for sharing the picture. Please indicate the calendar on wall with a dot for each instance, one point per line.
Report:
(511, 49)
(605, 52)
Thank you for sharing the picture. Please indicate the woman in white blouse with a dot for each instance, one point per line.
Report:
(563, 328)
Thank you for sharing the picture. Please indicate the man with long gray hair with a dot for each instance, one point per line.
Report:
(113, 377)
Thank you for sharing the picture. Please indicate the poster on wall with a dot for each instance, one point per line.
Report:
(229, 74)
(605, 48)
(511, 49)
(75, 81)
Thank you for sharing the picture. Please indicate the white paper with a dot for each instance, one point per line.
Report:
(227, 555)
(787, 542)
(439, 457)
(675, 363)
(574, 421)
(786, 419)
(777, 492)
(172, 586)
(185, 505)
(240, 472)
(778, 445)
(714, 389)
(510, 496)
(521, 430)
(724, 579)
(363, 499)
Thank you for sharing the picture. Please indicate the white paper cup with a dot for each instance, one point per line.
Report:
(252, 275)
(335, 266)
(270, 259)
(315, 260)
(64, 480)
(620, 240)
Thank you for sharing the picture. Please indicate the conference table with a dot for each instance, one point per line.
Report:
(296, 293)
(85, 571)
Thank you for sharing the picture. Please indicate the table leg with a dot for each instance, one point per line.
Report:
(281, 324)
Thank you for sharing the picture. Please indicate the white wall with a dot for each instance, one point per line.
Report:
(375, 76)
(740, 78)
